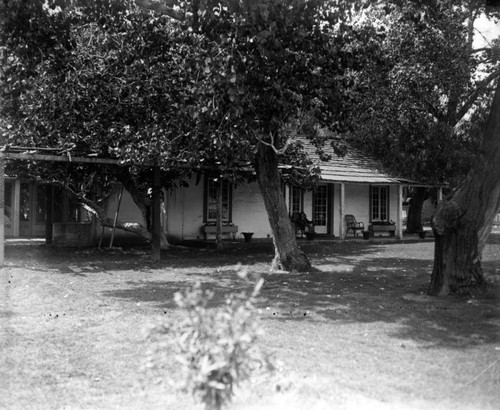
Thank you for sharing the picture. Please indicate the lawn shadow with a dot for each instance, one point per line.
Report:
(354, 282)
(389, 291)
(370, 291)
(139, 258)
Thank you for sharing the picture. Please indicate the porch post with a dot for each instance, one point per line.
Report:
(439, 194)
(156, 238)
(2, 210)
(49, 213)
(341, 210)
(16, 205)
(218, 228)
(399, 219)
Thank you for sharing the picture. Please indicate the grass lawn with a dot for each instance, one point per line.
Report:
(359, 333)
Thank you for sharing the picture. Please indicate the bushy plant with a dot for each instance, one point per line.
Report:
(216, 346)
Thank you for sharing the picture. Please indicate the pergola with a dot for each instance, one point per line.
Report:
(51, 155)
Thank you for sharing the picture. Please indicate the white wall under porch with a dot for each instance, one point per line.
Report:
(249, 211)
(185, 211)
(357, 202)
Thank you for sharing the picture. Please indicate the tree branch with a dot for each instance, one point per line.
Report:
(479, 50)
(277, 151)
(480, 88)
(165, 7)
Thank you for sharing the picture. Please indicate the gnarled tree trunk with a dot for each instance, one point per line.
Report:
(414, 220)
(288, 256)
(461, 223)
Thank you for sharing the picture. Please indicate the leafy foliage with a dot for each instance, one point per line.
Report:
(419, 97)
(217, 347)
(105, 80)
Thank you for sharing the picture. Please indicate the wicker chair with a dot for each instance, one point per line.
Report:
(351, 224)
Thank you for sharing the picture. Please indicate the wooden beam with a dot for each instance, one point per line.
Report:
(244, 168)
(58, 158)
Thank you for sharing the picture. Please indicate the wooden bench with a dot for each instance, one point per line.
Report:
(390, 229)
(212, 230)
(352, 225)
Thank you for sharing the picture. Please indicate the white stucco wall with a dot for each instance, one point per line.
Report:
(185, 211)
(393, 204)
(357, 203)
(249, 211)
(129, 212)
(308, 204)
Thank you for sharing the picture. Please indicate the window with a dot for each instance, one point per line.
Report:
(296, 200)
(25, 202)
(320, 205)
(379, 203)
(211, 189)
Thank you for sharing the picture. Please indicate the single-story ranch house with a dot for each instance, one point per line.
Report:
(352, 185)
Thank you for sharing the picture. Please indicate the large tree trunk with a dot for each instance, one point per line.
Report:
(288, 256)
(414, 220)
(461, 223)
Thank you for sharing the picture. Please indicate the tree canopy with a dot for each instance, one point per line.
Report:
(423, 100)
(113, 81)
(223, 86)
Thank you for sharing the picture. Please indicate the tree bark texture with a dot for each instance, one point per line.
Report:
(414, 220)
(288, 255)
(462, 223)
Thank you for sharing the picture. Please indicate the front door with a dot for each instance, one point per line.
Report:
(31, 209)
(320, 209)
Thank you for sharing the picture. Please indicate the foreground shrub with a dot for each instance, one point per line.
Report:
(216, 346)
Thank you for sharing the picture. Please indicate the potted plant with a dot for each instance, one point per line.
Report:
(310, 235)
(309, 231)
(248, 236)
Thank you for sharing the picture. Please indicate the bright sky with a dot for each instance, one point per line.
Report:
(486, 30)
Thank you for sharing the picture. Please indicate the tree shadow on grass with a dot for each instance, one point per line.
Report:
(353, 283)
(374, 290)
(378, 292)
(139, 258)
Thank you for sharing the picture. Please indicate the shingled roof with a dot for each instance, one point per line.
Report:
(353, 167)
